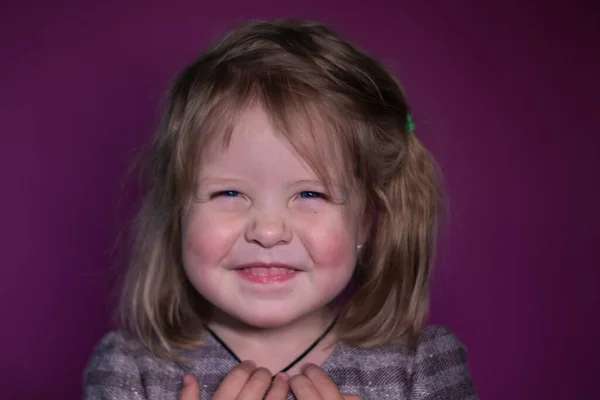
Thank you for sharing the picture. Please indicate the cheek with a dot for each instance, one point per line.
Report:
(334, 258)
(332, 243)
(206, 241)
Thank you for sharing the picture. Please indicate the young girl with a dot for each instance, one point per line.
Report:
(290, 221)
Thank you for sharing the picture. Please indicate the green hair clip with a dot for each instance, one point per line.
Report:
(410, 124)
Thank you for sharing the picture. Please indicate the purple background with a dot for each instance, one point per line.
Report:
(507, 97)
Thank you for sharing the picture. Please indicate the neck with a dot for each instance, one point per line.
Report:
(275, 348)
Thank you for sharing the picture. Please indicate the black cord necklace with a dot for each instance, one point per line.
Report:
(290, 365)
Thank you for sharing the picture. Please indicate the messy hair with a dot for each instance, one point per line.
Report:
(308, 80)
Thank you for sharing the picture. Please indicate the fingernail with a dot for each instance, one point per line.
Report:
(187, 380)
(283, 376)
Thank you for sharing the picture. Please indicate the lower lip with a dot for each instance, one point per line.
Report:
(266, 279)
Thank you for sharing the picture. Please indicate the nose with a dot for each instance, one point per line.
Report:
(268, 229)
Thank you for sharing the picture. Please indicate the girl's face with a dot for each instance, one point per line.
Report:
(261, 242)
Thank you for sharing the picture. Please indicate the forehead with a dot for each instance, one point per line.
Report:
(252, 148)
(256, 141)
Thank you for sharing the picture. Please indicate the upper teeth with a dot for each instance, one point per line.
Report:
(268, 271)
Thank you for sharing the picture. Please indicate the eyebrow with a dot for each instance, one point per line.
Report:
(211, 180)
(221, 181)
(306, 182)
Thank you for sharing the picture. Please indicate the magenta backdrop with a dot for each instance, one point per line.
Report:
(506, 96)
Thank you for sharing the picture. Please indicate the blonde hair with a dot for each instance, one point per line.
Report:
(305, 77)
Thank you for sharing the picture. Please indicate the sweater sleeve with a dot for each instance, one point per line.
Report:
(440, 370)
(112, 372)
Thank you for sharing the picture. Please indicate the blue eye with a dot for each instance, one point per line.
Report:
(311, 195)
(226, 193)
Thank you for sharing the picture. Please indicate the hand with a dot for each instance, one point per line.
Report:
(314, 384)
(244, 382)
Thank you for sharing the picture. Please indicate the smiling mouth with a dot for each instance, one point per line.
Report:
(267, 273)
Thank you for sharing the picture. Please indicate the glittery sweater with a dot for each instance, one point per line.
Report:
(121, 368)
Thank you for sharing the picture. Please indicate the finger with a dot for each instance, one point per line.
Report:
(280, 387)
(303, 388)
(191, 389)
(233, 383)
(257, 385)
(325, 387)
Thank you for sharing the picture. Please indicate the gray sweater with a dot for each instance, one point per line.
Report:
(121, 368)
